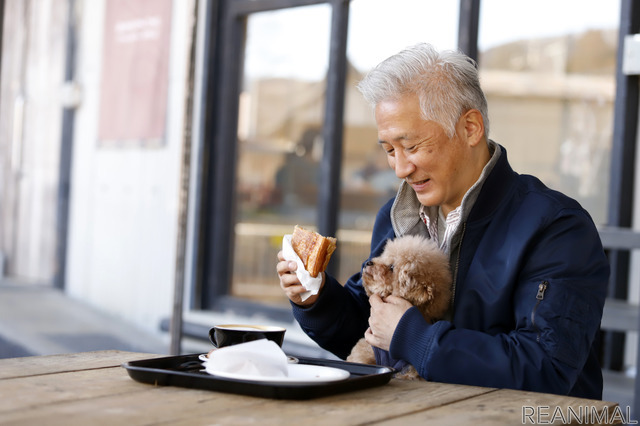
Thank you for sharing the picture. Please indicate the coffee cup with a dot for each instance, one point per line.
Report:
(232, 334)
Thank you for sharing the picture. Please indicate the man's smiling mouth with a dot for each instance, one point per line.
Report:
(417, 182)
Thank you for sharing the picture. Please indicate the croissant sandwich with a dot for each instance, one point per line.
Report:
(313, 249)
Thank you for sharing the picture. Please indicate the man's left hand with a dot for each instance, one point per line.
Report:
(385, 316)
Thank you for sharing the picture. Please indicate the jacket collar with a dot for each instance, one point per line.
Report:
(405, 217)
(496, 188)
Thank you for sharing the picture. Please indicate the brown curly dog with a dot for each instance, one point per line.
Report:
(413, 268)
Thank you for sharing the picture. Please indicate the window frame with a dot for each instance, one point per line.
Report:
(226, 34)
(224, 51)
(214, 200)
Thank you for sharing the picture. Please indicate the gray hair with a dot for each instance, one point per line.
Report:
(446, 83)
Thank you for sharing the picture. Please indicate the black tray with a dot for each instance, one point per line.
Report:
(185, 371)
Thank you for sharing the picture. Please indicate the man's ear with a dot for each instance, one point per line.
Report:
(473, 126)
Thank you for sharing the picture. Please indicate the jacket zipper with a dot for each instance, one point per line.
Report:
(542, 287)
(455, 272)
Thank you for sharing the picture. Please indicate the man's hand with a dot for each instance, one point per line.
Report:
(385, 316)
(290, 283)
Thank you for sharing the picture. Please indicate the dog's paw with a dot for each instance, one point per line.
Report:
(362, 353)
(408, 373)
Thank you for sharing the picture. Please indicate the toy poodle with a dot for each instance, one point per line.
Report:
(413, 268)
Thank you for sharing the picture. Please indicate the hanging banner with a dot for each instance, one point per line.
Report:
(135, 73)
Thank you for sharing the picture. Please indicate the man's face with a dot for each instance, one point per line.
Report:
(422, 154)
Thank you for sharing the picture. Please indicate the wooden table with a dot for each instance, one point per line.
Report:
(93, 388)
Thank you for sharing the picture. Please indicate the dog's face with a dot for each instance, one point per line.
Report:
(388, 275)
(411, 268)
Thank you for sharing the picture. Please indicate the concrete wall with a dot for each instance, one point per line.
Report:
(124, 201)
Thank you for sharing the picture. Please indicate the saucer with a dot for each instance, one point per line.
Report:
(298, 374)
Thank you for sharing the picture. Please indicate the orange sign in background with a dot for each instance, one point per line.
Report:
(135, 72)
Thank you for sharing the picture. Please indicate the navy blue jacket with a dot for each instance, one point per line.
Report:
(531, 281)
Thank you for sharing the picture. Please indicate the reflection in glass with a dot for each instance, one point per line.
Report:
(279, 140)
(551, 90)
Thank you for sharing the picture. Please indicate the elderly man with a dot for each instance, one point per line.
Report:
(529, 270)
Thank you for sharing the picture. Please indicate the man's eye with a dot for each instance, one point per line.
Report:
(412, 148)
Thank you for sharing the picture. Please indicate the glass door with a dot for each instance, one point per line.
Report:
(280, 141)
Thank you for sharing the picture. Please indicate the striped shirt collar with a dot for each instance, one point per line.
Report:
(431, 218)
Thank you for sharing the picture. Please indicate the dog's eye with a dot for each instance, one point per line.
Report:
(391, 268)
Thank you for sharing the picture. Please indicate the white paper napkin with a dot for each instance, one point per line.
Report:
(311, 284)
(256, 358)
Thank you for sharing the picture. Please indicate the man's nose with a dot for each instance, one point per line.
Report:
(402, 166)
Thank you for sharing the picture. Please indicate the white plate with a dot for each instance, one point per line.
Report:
(298, 374)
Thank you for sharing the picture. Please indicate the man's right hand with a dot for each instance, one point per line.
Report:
(290, 283)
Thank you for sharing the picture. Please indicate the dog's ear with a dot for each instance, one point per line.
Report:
(408, 278)
(415, 287)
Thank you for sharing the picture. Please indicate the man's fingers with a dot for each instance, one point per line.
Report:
(374, 299)
(395, 300)
(286, 267)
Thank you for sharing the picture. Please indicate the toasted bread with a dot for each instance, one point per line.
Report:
(313, 249)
